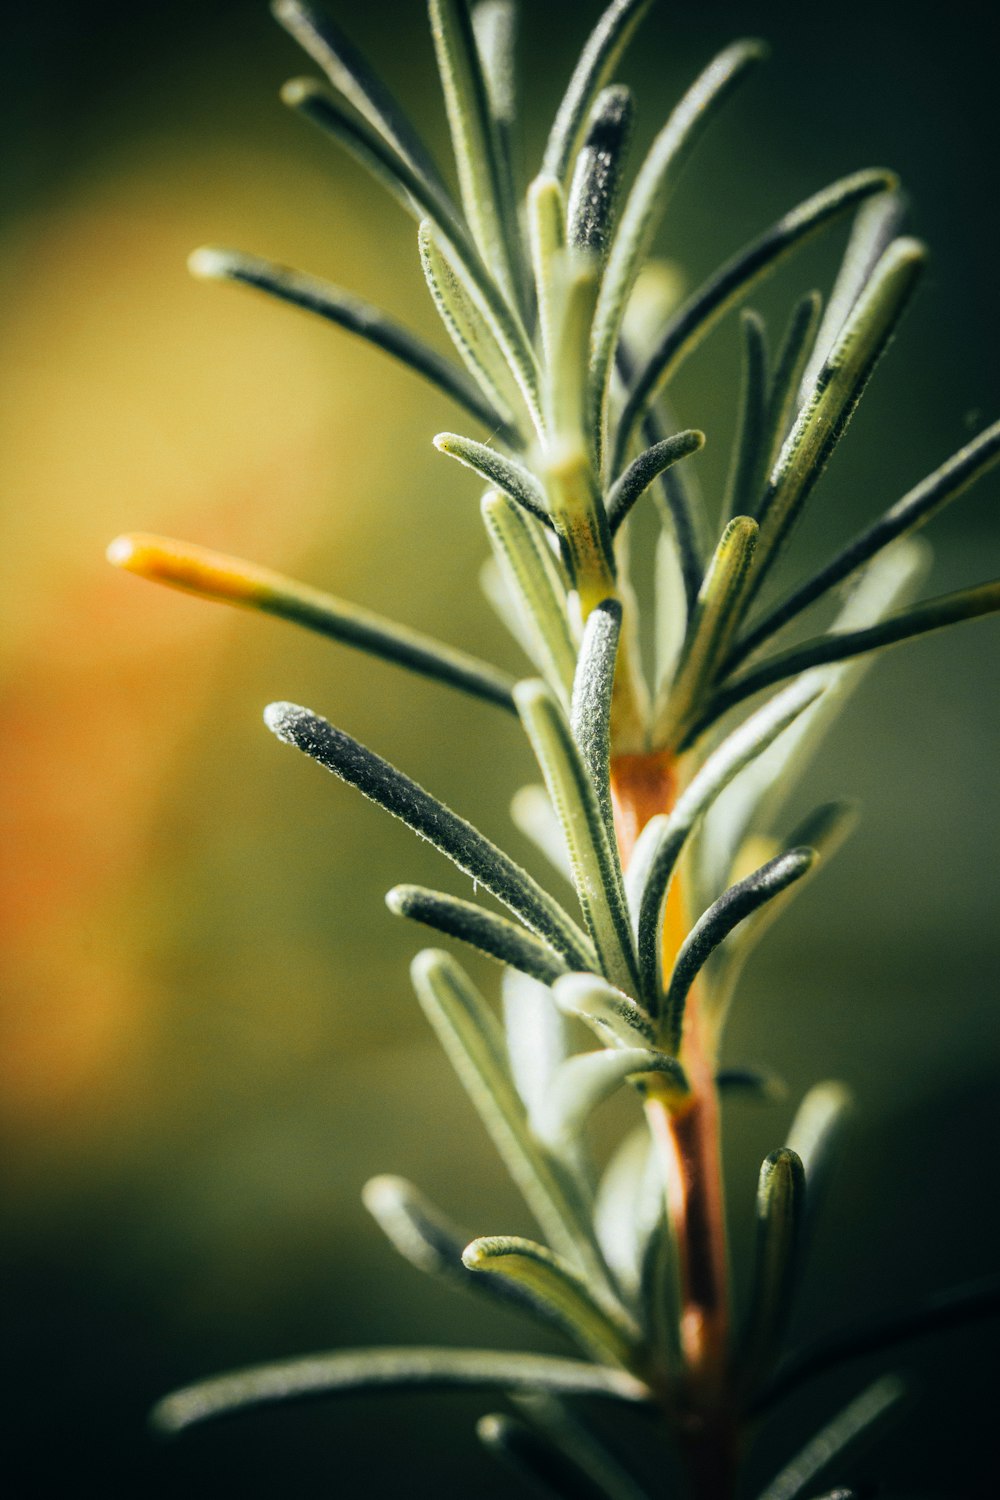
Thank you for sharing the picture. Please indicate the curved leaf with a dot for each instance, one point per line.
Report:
(464, 845)
(491, 934)
(608, 1334)
(232, 580)
(388, 1370)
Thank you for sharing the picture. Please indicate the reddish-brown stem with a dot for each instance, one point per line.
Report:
(687, 1136)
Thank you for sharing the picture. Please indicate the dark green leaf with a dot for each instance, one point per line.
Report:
(751, 434)
(598, 61)
(944, 1310)
(841, 645)
(916, 507)
(319, 35)
(546, 1470)
(474, 1042)
(350, 1370)
(738, 903)
(658, 849)
(604, 1331)
(641, 472)
(593, 199)
(575, 1439)
(645, 206)
(702, 311)
(536, 588)
(593, 856)
(376, 779)
(830, 1442)
(312, 294)
(491, 934)
(781, 1202)
(835, 394)
(506, 474)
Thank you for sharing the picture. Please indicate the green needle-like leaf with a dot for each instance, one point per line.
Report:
(816, 1133)
(310, 99)
(629, 1207)
(842, 645)
(319, 35)
(641, 472)
(755, 799)
(470, 332)
(533, 1459)
(350, 1370)
(575, 1439)
(917, 506)
(473, 1041)
(783, 393)
(875, 226)
(647, 202)
(534, 583)
(420, 198)
(232, 580)
(491, 934)
(474, 136)
(593, 198)
(659, 846)
(313, 294)
(547, 239)
(593, 857)
(495, 25)
(557, 1286)
(716, 618)
(613, 1015)
(955, 1308)
(537, 1036)
(751, 1083)
(781, 1202)
(837, 390)
(505, 473)
(715, 925)
(747, 466)
(421, 1233)
(430, 819)
(429, 1240)
(590, 710)
(587, 1079)
(854, 1422)
(699, 314)
(598, 61)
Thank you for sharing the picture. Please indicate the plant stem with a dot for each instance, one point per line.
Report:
(688, 1141)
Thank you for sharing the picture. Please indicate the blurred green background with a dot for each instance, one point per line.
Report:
(209, 1041)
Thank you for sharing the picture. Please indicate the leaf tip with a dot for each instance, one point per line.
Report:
(209, 263)
(124, 552)
(298, 91)
(397, 900)
(287, 721)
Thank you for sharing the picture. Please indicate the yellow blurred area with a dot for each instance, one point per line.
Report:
(136, 397)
